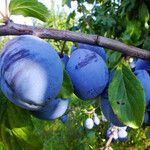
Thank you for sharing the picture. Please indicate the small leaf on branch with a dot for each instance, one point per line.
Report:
(126, 97)
(29, 8)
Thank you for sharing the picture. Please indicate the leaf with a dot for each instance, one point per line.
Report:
(67, 87)
(17, 130)
(66, 2)
(143, 13)
(113, 58)
(90, 1)
(146, 44)
(71, 16)
(29, 8)
(126, 97)
(132, 33)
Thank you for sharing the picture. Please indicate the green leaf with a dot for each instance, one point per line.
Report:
(67, 87)
(66, 2)
(126, 97)
(143, 13)
(90, 1)
(71, 16)
(29, 8)
(113, 58)
(146, 44)
(132, 33)
(17, 130)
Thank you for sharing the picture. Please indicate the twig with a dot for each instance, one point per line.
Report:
(90, 112)
(2, 14)
(107, 146)
(6, 8)
(62, 50)
(16, 29)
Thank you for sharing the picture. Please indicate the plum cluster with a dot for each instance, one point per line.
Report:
(90, 122)
(141, 70)
(117, 133)
(32, 75)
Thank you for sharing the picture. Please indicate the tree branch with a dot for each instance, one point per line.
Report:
(11, 28)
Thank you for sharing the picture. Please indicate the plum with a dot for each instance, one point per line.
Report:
(52, 110)
(99, 50)
(64, 118)
(142, 65)
(64, 58)
(31, 72)
(122, 135)
(88, 73)
(110, 133)
(144, 78)
(146, 117)
(107, 110)
(96, 120)
(89, 124)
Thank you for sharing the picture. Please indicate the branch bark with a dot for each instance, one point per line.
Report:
(10, 28)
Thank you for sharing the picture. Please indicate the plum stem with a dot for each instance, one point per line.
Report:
(62, 50)
(90, 112)
(114, 129)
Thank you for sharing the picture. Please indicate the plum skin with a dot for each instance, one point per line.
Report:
(89, 124)
(144, 78)
(99, 50)
(64, 58)
(52, 110)
(31, 72)
(88, 73)
(146, 118)
(108, 111)
(142, 65)
(64, 119)
(96, 120)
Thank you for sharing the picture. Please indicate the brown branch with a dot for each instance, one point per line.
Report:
(16, 29)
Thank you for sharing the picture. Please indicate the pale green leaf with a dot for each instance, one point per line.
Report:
(29, 8)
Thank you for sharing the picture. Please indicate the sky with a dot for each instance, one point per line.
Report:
(47, 3)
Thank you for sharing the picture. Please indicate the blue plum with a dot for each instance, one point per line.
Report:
(31, 72)
(88, 73)
(144, 78)
(64, 58)
(99, 50)
(146, 117)
(122, 135)
(96, 120)
(89, 124)
(107, 110)
(64, 118)
(142, 65)
(52, 110)
(111, 133)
